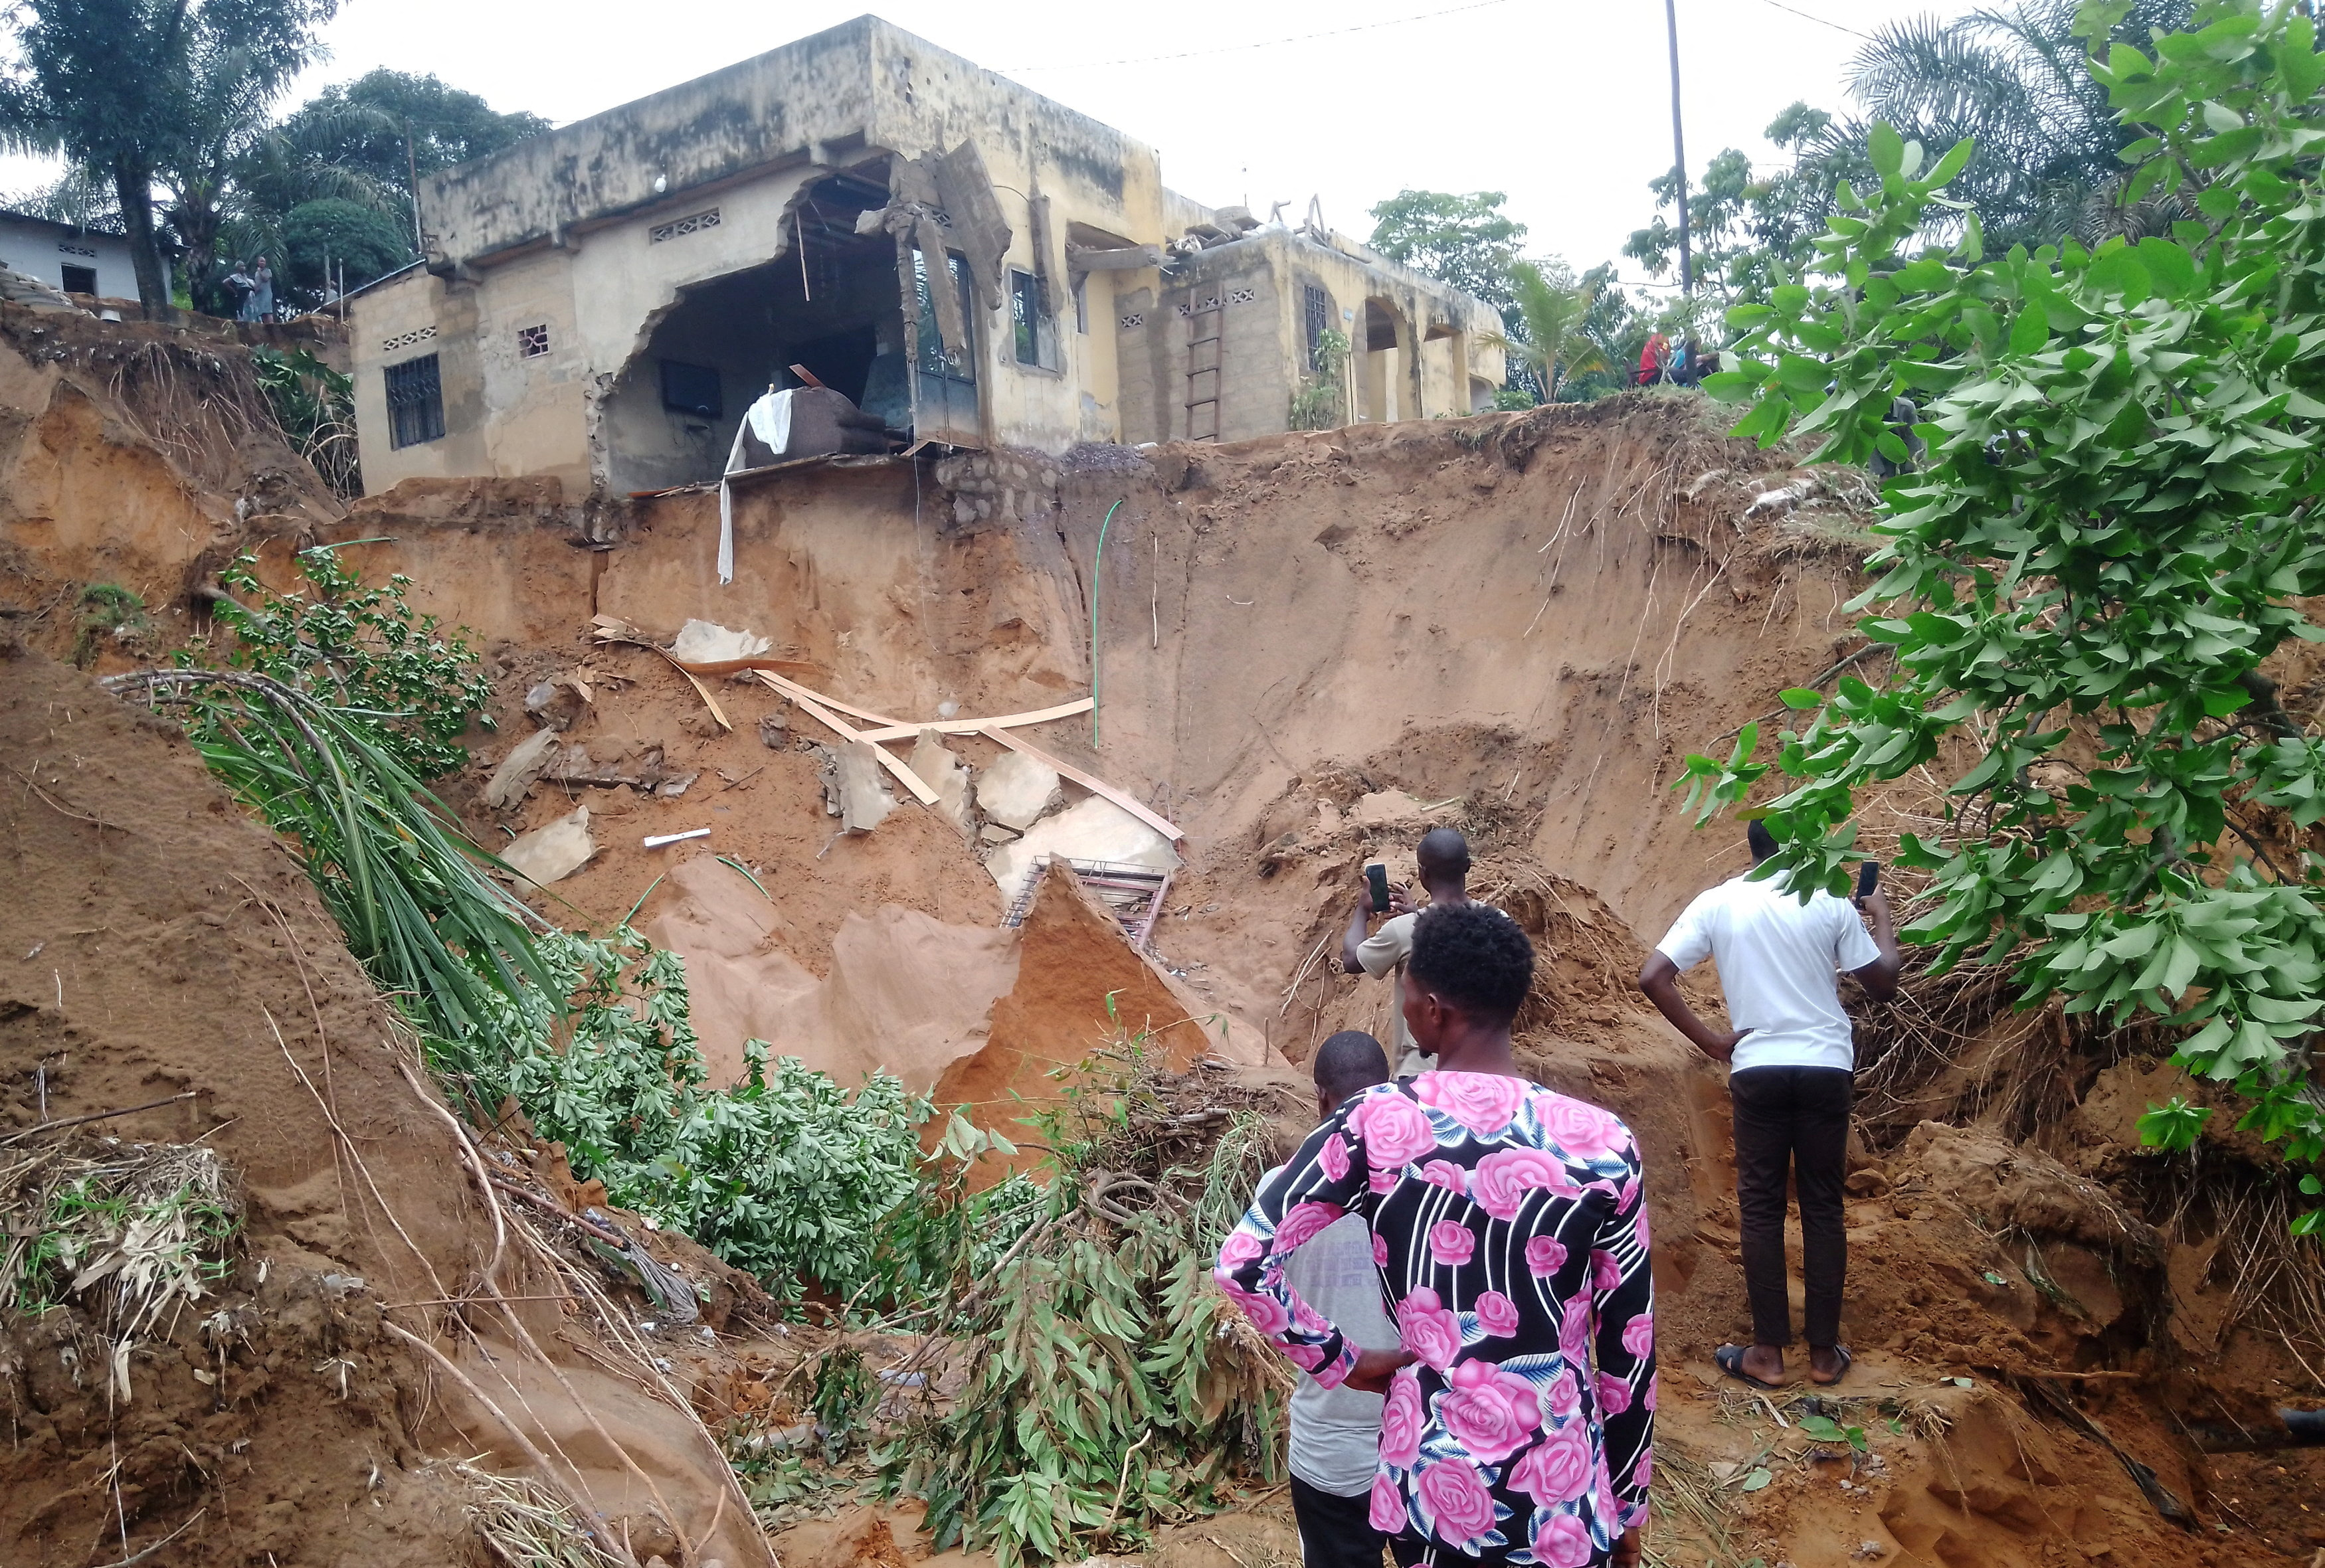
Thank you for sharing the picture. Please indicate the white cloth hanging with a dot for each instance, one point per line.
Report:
(770, 420)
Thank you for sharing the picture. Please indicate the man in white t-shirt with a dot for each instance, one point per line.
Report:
(1443, 859)
(1793, 1060)
(1336, 1432)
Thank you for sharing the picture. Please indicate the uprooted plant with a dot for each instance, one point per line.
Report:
(131, 1232)
(1099, 1385)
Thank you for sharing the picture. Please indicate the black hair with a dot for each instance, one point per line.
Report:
(1475, 957)
(1762, 842)
(1444, 850)
(1349, 1063)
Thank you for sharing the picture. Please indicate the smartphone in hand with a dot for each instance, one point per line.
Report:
(1376, 876)
(1868, 878)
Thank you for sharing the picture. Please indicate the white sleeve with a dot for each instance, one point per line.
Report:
(1689, 941)
(1853, 945)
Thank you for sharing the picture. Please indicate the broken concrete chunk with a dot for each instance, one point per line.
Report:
(520, 768)
(864, 797)
(557, 702)
(671, 788)
(1091, 829)
(935, 766)
(1015, 789)
(994, 832)
(551, 854)
(774, 730)
(708, 643)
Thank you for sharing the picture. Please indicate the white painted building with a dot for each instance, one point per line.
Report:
(77, 260)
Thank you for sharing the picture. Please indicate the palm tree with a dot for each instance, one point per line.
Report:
(2015, 80)
(1555, 312)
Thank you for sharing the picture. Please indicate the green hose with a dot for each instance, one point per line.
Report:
(1097, 586)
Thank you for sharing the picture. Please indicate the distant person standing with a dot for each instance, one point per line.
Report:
(238, 286)
(258, 305)
(1336, 1432)
(1793, 1059)
(1652, 359)
(1444, 862)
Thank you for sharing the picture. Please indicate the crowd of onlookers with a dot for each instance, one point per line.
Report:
(1681, 364)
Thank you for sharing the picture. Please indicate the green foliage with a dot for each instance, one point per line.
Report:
(332, 233)
(2111, 532)
(131, 88)
(1825, 1429)
(1558, 346)
(108, 611)
(1466, 241)
(786, 1176)
(390, 671)
(387, 122)
(315, 407)
(1321, 401)
(1109, 1386)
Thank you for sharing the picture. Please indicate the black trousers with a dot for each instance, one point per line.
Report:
(1793, 1121)
(1335, 1532)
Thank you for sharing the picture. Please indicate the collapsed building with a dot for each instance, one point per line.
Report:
(965, 259)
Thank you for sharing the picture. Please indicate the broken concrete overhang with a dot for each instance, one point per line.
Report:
(1130, 259)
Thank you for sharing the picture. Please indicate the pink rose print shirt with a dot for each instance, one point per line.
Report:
(1510, 1226)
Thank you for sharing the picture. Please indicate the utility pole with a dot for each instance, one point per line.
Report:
(1678, 153)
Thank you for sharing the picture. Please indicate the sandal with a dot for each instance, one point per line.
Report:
(1847, 1361)
(1729, 1359)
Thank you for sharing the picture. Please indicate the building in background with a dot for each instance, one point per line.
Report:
(976, 264)
(78, 260)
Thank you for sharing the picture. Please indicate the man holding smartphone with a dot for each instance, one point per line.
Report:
(1443, 855)
(1794, 1057)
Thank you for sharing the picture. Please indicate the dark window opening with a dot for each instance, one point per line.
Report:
(1319, 320)
(80, 279)
(416, 403)
(531, 342)
(934, 360)
(1081, 304)
(1025, 316)
(692, 389)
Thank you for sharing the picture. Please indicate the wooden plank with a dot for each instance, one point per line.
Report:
(815, 710)
(701, 690)
(1091, 782)
(971, 726)
(793, 689)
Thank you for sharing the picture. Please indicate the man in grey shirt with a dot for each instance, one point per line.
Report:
(1336, 1432)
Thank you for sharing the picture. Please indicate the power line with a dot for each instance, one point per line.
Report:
(1264, 43)
(1820, 21)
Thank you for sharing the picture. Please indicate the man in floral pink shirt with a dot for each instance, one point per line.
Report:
(1510, 1228)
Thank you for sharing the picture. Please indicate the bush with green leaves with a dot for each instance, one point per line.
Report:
(2114, 529)
(786, 1176)
(397, 674)
(315, 408)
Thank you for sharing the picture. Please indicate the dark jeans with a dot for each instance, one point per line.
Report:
(1795, 1118)
(1335, 1532)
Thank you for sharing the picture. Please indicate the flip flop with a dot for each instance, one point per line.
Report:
(1729, 1359)
(1847, 1361)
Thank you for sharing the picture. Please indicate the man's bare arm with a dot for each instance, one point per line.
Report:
(1659, 978)
(1354, 937)
(1880, 978)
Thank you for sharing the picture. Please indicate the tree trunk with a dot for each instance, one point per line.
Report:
(132, 185)
(197, 223)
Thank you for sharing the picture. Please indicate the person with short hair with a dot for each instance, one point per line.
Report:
(1510, 1229)
(1443, 857)
(1793, 1059)
(1336, 1432)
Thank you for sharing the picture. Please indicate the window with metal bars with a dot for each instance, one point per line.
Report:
(1320, 319)
(416, 403)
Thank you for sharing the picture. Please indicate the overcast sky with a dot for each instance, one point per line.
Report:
(1563, 104)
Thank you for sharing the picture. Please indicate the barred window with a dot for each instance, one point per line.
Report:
(416, 403)
(1319, 318)
(533, 341)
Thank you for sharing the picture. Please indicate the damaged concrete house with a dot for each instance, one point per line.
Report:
(966, 261)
